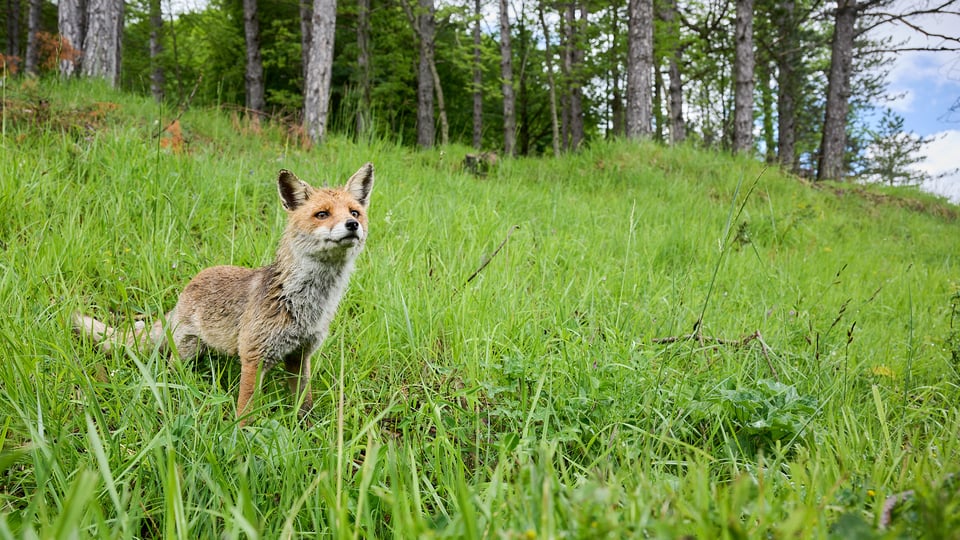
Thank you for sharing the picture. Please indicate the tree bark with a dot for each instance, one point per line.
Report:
(253, 75)
(477, 78)
(319, 70)
(788, 86)
(363, 68)
(765, 77)
(426, 130)
(71, 20)
(639, 68)
(578, 27)
(157, 78)
(833, 144)
(306, 27)
(548, 58)
(506, 75)
(14, 11)
(675, 86)
(102, 41)
(743, 77)
(33, 45)
(617, 118)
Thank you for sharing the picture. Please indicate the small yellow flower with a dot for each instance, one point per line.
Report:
(882, 371)
(871, 493)
(530, 534)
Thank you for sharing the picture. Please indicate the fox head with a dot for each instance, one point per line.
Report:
(325, 221)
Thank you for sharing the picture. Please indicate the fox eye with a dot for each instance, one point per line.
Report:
(355, 213)
(323, 214)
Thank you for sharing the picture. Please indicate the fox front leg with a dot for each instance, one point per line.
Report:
(248, 385)
(297, 365)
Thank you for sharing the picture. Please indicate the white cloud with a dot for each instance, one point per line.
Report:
(941, 158)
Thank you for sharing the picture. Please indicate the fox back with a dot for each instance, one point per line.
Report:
(279, 313)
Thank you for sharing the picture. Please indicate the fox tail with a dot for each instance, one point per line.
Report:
(108, 338)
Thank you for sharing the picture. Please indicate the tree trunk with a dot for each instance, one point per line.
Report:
(319, 71)
(441, 105)
(157, 79)
(834, 140)
(14, 12)
(578, 42)
(254, 68)
(72, 22)
(639, 68)
(548, 57)
(363, 67)
(426, 130)
(743, 78)
(306, 27)
(617, 119)
(101, 45)
(33, 45)
(675, 87)
(506, 75)
(788, 87)
(477, 78)
(765, 76)
(658, 122)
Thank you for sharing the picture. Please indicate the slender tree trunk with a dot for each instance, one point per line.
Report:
(548, 59)
(617, 118)
(743, 74)
(157, 79)
(71, 20)
(678, 130)
(506, 74)
(14, 12)
(254, 69)
(658, 122)
(788, 87)
(477, 78)
(834, 141)
(178, 73)
(306, 27)
(319, 70)
(33, 29)
(363, 67)
(101, 48)
(639, 68)
(578, 40)
(675, 87)
(441, 104)
(426, 30)
(565, 76)
(765, 76)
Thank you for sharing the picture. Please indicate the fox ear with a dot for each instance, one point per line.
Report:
(361, 184)
(293, 191)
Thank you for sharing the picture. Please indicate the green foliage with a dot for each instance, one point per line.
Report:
(557, 393)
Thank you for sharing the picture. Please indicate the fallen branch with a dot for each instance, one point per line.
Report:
(183, 107)
(492, 255)
(738, 343)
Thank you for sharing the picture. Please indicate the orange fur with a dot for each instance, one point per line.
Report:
(276, 314)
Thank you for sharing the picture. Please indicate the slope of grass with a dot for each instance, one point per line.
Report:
(554, 394)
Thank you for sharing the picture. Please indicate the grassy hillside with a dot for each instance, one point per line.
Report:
(557, 393)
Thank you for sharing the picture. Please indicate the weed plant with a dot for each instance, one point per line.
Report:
(669, 342)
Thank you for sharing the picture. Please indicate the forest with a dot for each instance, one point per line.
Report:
(797, 82)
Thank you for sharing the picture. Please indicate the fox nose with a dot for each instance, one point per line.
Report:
(352, 225)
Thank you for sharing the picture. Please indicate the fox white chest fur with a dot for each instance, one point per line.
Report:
(277, 314)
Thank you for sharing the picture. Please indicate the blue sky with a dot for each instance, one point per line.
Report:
(926, 84)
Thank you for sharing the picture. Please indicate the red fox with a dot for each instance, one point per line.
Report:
(276, 314)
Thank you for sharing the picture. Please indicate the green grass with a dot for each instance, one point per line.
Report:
(538, 400)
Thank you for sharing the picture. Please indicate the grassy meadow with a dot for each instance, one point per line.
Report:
(512, 360)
